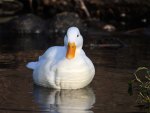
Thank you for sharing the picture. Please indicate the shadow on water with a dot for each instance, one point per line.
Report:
(114, 63)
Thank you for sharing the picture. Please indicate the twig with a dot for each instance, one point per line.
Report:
(134, 30)
(30, 3)
(83, 6)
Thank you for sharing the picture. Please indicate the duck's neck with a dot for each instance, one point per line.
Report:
(78, 51)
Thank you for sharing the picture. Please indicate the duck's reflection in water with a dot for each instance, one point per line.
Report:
(64, 101)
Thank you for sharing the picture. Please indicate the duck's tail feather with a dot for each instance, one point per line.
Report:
(32, 65)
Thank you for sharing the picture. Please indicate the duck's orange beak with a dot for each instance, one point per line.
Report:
(71, 49)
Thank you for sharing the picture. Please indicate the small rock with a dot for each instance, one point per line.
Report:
(62, 21)
(109, 28)
(28, 23)
(10, 7)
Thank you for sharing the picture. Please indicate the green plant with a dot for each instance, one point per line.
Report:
(142, 86)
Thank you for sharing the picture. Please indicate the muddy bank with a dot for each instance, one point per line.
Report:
(50, 16)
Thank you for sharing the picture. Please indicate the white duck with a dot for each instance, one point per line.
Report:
(64, 67)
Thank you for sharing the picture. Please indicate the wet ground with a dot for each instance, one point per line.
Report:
(115, 61)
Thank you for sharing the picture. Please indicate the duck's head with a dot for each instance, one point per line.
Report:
(73, 41)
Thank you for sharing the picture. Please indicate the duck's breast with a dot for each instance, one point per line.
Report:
(74, 73)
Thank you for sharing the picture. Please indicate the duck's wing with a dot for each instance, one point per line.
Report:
(53, 53)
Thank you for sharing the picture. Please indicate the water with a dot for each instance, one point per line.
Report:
(115, 59)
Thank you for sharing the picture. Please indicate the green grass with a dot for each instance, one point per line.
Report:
(141, 85)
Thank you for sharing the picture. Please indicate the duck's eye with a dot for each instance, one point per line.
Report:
(77, 35)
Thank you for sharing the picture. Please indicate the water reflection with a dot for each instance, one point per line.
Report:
(64, 101)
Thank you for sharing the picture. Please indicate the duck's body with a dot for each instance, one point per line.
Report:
(56, 69)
